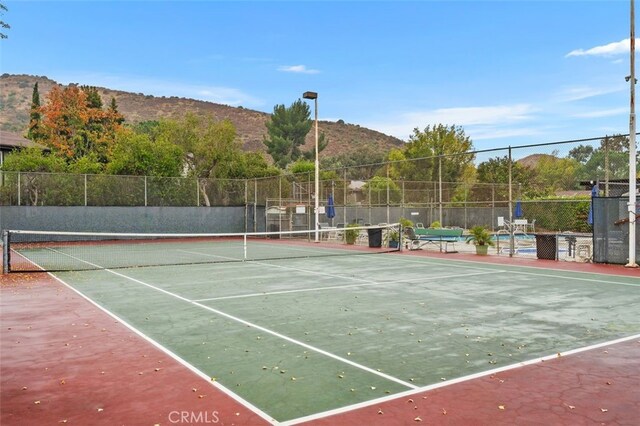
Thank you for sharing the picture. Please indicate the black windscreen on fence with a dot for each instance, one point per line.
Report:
(611, 231)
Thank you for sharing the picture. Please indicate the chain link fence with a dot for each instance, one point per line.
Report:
(546, 187)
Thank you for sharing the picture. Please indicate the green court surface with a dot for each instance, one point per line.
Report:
(301, 336)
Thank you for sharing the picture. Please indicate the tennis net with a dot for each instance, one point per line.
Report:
(46, 251)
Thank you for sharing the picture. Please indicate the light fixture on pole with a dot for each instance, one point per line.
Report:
(314, 96)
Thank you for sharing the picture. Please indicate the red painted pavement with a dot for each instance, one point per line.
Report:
(593, 387)
(63, 361)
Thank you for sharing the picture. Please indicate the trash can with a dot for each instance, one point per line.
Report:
(375, 237)
(546, 246)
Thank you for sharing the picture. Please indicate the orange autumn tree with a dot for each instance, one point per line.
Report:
(75, 125)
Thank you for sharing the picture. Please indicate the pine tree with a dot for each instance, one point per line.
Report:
(35, 132)
(113, 112)
(287, 130)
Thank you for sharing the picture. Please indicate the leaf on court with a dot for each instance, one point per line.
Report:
(340, 376)
(604, 410)
(501, 407)
(380, 411)
(444, 412)
(36, 402)
(194, 390)
(293, 379)
(372, 387)
(417, 419)
(62, 382)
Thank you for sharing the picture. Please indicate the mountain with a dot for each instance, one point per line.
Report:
(15, 103)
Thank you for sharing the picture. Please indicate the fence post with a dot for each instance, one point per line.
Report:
(197, 193)
(493, 206)
(145, 191)
(255, 207)
(6, 252)
(344, 197)
(85, 191)
(19, 185)
(388, 219)
(440, 190)
(511, 238)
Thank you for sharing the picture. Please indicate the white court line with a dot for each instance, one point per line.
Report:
(327, 274)
(453, 381)
(257, 327)
(339, 287)
(163, 349)
(427, 261)
(431, 261)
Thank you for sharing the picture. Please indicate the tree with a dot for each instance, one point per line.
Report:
(288, 128)
(609, 161)
(377, 188)
(425, 148)
(35, 185)
(210, 148)
(3, 24)
(138, 155)
(35, 117)
(496, 170)
(75, 125)
(555, 174)
(581, 153)
(32, 160)
(255, 166)
(360, 165)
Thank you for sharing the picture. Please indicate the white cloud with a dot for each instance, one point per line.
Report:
(466, 116)
(301, 69)
(611, 49)
(603, 113)
(479, 122)
(480, 133)
(583, 92)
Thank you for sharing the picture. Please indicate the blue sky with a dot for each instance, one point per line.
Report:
(508, 72)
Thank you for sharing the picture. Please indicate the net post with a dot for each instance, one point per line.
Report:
(244, 244)
(5, 252)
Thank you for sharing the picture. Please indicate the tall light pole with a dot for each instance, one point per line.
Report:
(632, 146)
(314, 96)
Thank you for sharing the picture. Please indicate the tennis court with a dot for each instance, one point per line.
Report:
(296, 338)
